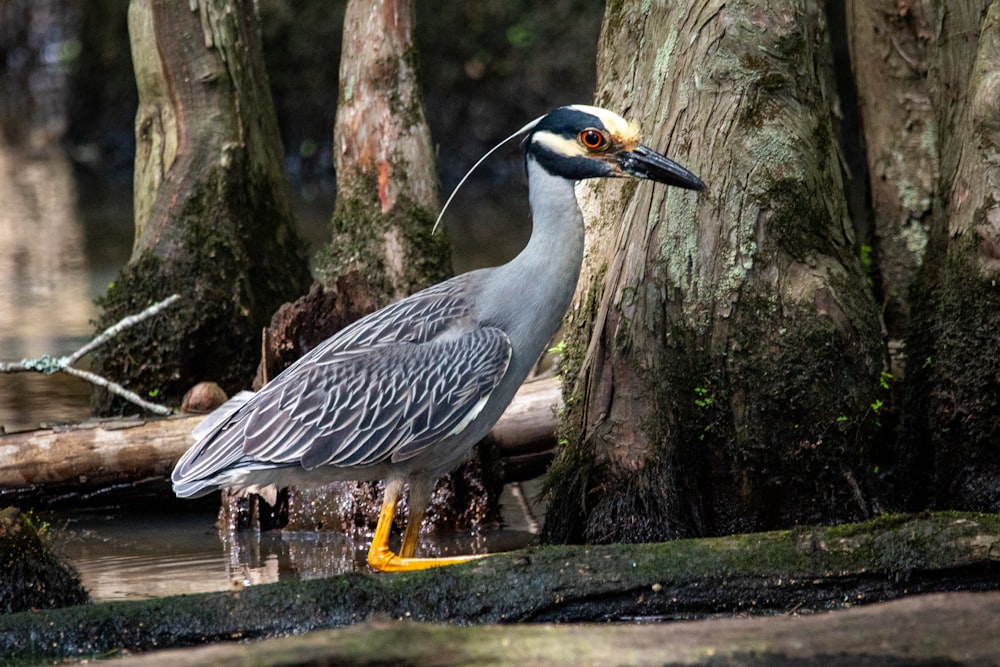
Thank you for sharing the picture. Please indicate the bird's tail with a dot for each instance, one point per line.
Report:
(193, 475)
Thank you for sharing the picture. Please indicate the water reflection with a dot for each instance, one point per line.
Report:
(45, 306)
(130, 557)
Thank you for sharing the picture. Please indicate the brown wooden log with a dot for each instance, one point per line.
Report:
(94, 453)
(99, 453)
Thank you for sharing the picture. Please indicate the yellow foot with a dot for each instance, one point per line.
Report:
(385, 560)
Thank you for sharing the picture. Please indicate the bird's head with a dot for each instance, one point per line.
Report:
(578, 142)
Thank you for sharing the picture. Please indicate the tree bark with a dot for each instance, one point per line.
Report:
(724, 347)
(891, 42)
(952, 415)
(779, 572)
(212, 214)
(386, 184)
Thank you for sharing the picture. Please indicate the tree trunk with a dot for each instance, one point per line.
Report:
(952, 415)
(724, 347)
(212, 214)
(890, 46)
(386, 184)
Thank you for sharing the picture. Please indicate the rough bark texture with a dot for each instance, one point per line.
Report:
(725, 347)
(386, 186)
(952, 416)
(890, 45)
(212, 215)
(779, 572)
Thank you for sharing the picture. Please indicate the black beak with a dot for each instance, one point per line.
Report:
(644, 162)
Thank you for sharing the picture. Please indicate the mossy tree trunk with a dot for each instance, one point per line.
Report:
(952, 414)
(725, 349)
(890, 45)
(212, 214)
(387, 194)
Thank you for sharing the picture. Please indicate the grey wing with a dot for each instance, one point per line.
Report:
(385, 403)
(359, 407)
(418, 318)
(222, 437)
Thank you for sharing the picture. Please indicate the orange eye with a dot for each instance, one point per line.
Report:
(593, 139)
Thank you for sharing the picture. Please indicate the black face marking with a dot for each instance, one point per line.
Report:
(575, 168)
(567, 122)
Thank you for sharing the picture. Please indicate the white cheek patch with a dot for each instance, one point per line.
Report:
(559, 145)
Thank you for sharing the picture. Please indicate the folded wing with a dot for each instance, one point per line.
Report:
(352, 407)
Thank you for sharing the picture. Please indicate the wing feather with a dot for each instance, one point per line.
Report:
(404, 408)
(383, 389)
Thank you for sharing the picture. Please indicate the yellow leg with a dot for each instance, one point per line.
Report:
(381, 558)
(413, 522)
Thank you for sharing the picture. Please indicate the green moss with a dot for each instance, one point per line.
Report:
(358, 232)
(32, 576)
(752, 573)
(224, 253)
(952, 408)
(797, 372)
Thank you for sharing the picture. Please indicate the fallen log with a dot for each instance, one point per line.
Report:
(805, 569)
(937, 629)
(107, 452)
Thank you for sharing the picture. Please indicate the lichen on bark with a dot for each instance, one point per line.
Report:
(727, 380)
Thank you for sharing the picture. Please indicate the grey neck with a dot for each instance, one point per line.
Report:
(539, 283)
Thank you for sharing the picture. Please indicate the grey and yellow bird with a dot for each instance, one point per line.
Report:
(403, 394)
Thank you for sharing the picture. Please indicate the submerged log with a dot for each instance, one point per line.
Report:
(764, 573)
(107, 452)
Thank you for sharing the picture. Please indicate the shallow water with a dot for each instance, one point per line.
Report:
(131, 556)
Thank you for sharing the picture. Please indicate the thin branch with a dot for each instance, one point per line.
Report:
(49, 365)
(125, 323)
(115, 388)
